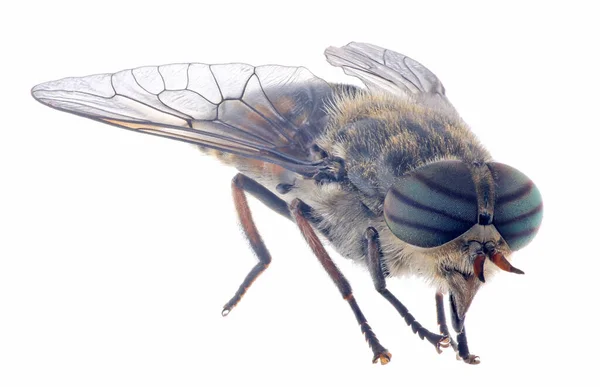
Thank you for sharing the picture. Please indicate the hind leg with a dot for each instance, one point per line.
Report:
(239, 186)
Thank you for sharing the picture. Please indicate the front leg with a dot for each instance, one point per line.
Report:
(374, 256)
(301, 212)
(462, 348)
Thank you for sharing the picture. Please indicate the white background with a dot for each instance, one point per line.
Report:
(117, 251)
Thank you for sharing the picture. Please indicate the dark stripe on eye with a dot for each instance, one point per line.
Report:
(445, 190)
(520, 234)
(449, 234)
(515, 195)
(410, 202)
(520, 217)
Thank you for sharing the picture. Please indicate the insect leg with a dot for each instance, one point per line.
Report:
(300, 212)
(374, 256)
(239, 185)
(461, 349)
(441, 318)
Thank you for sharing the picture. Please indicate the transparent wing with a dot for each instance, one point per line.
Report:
(270, 113)
(389, 71)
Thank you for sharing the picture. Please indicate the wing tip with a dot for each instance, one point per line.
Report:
(41, 91)
(35, 91)
(329, 50)
(349, 55)
(335, 56)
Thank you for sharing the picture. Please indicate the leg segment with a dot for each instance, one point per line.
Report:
(374, 263)
(441, 318)
(300, 212)
(239, 184)
(461, 349)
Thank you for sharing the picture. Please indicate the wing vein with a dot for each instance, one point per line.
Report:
(161, 77)
(187, 76)
(155, 108)
(112, 85)
(139, 84)
(86, 115)
(235, 128)
(248, 81)
(420, 86)
(275, 109)
(271, 123)
(216, 83)
(171, 108)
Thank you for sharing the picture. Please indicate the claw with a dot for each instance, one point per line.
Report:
(443, 343)
(471, 359)
(384, 358)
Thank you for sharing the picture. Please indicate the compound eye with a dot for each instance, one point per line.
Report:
(432, 205)
(518, 210)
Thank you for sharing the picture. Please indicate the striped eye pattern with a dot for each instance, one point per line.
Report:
(436, 203)
(518, 209)
(432, 205)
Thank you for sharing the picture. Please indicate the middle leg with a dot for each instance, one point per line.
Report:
(301, 212)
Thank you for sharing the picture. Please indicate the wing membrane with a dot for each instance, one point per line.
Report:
(389, 71)
(270, 113)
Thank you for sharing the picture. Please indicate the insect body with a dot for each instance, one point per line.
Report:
(389, 175)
